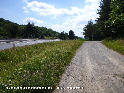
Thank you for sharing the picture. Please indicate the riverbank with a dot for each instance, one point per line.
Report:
(5, 44)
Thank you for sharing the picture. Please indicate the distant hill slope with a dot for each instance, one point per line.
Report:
(3, 27)
(9, 30)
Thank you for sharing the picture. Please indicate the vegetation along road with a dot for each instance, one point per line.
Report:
(95, 69)
(35, 65)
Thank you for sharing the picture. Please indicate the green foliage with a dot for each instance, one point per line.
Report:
(104, 12)
(63, 36)
(111, 20)
(38, 65)
(8, 29)
(29, 31)
(116, 20)
(71, 35)
(12, 30)
(88, 31)
(91, 31)
(117, 45)
(110, 23)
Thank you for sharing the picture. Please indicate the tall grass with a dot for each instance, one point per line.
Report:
(38, 65)
(116, 45)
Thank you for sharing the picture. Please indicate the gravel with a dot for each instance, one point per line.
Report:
(94, 69)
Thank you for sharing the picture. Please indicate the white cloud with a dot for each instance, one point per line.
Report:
(25, 10)
(66, 27)
(26, 1)
(76, 18)
(92, 1)
(76, 23)
(70, 24)
(33, 20)
(45, 9)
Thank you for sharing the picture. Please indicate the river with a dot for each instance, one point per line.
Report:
(5, 44)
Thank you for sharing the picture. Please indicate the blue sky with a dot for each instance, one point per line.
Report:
(60, 15)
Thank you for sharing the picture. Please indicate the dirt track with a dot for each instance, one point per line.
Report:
(95, 68)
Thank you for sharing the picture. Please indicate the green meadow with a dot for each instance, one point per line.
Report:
(39, 65)
(116, 45)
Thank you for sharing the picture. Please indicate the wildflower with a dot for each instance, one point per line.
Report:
(37, 71)
(20, 68)
(19, 72)
(24, 70)
(10, 84)
(10, 80)
(24, 75)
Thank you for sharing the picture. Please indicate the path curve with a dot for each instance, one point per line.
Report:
(94, 69)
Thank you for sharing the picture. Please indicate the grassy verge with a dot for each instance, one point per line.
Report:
(116, 45)
(38, 65)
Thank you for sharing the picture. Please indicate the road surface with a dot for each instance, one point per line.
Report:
(94, 69)
(5, 44)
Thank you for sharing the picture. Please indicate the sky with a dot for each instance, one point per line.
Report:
(59, 15)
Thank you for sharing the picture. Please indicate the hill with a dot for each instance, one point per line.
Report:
(10, 30)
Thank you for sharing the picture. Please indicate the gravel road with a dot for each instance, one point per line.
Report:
(94, 69)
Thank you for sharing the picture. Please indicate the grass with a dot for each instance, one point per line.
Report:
(39, 65)
(116, 45)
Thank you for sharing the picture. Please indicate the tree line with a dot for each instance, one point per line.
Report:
(12, 30)
(71, 36)
(110, 24)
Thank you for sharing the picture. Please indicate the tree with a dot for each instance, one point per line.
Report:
(103, 17)
(30, 31)
(110, 23)
(63, 36)
(89, 31)
(9, 29)
(12, 30)
(71, 35)
(116, 20)
(97, 35)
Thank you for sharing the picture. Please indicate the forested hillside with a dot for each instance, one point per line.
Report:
(9, 29)
(110, 24)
